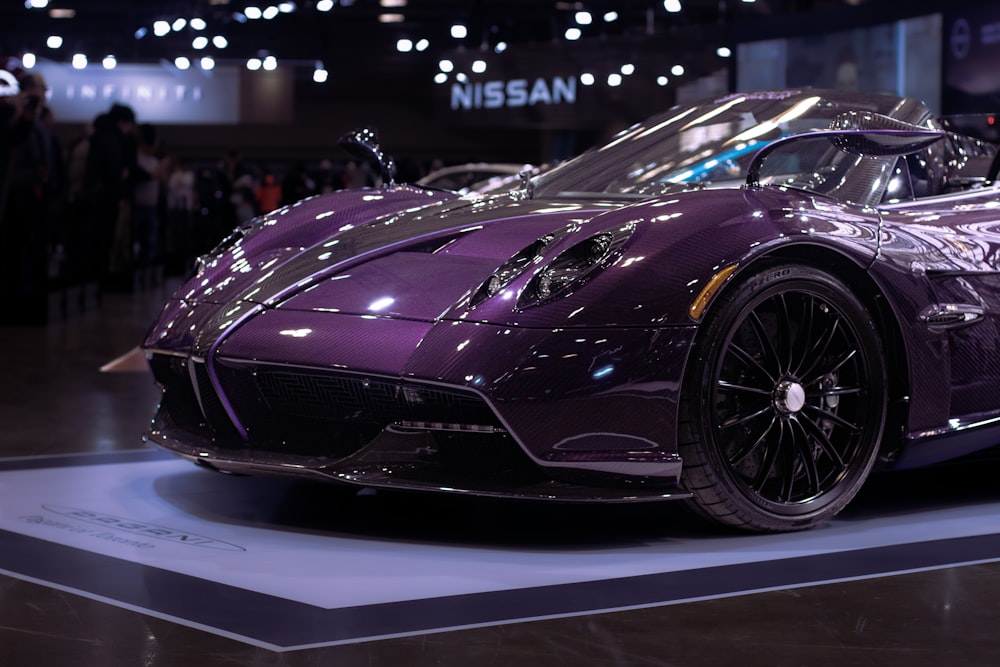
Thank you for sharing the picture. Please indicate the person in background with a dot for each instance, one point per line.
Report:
(146, 213)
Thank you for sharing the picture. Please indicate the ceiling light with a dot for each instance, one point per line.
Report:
(61, 13)
(587, 79)
(181, 62)
(392, 3)
(500, 47)
(270, 12)
(36, 4)
(324, 5)
(141, 32)
(672, 6)
(459, 31)
(479, 66)
(161, 28)
(677, 70)
(440, 77)
(422, 45)
(54, 41)
(446, 65)
(573, 34)
(584, 18)
(253, 13)
(610, 17)
(198, 24)
(199, 42)
(239, 17)
(662, 80)
(723, 52)
(79, 61)
(461, 77)
(286, 7)
(320, 75)
(28, 60)
(109, 62)
(207, 63)
(404, 45)
(628, 69)
(270, 63)
(391, 18)
(179, 24)
(254, 64)
(220, 42)
(614, 79)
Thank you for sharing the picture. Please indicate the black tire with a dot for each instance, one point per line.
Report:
(784, 402)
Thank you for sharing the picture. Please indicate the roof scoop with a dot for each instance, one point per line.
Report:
(362, 144)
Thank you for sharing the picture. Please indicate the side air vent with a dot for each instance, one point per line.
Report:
(944, 316)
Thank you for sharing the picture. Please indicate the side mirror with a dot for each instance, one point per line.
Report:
(362, 144)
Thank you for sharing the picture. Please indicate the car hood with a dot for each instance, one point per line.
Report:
(417, 262)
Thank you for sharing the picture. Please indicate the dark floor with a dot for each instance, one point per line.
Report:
(55, 400)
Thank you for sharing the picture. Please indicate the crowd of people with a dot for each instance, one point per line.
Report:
(115, 209)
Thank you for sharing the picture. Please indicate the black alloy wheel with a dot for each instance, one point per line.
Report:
(784, 403)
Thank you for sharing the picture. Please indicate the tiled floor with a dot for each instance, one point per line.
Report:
(63, 606)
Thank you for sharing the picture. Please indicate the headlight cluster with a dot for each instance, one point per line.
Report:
(567, 271)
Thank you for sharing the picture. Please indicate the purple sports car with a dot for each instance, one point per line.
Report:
(747, 303)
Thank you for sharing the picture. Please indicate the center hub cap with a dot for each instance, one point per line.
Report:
(789, 397)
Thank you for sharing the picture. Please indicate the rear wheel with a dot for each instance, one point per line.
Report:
(784, 402)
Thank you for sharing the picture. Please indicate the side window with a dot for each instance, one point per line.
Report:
(900, 187)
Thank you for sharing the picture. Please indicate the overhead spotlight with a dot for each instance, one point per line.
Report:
(587, 79)
(723, 52)
(677, 70)
(79, 61)
(324, 5)
(610, 17)
(672, 6)
(320, 75)
(391, 18)
(440, 77)
(270, 12)
(109, 62)
(479, 66)
(459, 31)
(199, 42)
(392, 3)
(179, 25)
(254, 64)
(628, 69)
(446, 66)
(253, 13)
(28, 60)
(404, 45)
(54, 41)
(141, 32)
(422, 45)
(614, 79)
(198, 24)
(584, 18)
(573, 34)
(662, 80)
(36, 4)
(270, 63)
(461, 77)
(182, 63)
(220, 42)
(500, 47)
(239, 17)
(161, 28)
(286, 7)
(207, 63)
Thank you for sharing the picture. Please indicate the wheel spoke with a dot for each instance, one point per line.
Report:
(835, 418)
(802, 445)
(743, 419)
(766, 343)
(813, 429)
(834, 391)
(770, 458)
(801, 346)
(730, 386)
(741, 455)
(748, 360)
(784, 342)
(848, 355)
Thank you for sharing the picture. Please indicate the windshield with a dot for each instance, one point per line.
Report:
(707, 143)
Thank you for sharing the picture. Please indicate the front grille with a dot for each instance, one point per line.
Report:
(343, 398)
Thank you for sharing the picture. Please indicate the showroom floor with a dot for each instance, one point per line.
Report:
(112, 553)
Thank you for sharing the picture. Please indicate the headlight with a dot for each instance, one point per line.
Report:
(514, 267)
(575, 266)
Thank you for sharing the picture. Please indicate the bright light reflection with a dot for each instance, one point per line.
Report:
(381, 304)
(296, 333)
(602, 372)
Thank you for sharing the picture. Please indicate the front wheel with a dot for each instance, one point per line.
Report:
(784, 402)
